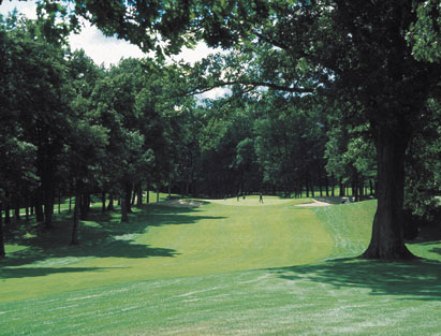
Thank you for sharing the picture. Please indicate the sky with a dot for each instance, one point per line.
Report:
(109, 50)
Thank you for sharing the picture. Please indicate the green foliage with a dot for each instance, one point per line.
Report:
(424, 34)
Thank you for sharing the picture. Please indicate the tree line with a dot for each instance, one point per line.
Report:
(323, 94)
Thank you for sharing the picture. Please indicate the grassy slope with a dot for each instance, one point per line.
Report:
(221, 270)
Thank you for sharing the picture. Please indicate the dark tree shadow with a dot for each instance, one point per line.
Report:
(25, 272)
(418, 279)
(102, 235)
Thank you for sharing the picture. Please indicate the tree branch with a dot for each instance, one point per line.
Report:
(255, 84)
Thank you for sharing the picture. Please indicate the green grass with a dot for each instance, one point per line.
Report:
(219, 269)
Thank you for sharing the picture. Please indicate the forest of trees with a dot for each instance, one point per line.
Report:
(323, 96)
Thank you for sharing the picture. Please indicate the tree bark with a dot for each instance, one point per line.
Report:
(342, 189)
(59, 201)
(133, 196)
(124, 212)
(49, 197)
(85, 205)
(17, 210)
(110, 206)
(2, 240)
(128, 193)
(387, 242)
(103, 202)
(76, 219)
(7, 215)
(39, 214)
(139, 195)
(27, 213)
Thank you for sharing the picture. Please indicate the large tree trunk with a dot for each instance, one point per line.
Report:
(387, 242)
(85, 206)
(48, 212)
(49, 198)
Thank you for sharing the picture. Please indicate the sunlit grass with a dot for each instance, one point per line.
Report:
(218, 270)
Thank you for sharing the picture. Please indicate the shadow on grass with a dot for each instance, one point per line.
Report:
(419, 279)
(101, 236)
(26, 272)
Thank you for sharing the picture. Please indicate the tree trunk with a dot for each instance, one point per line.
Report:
(17, 211)
(371, 187)
(76, 219)
(124, 212)
(103, 202)
(84, 206)
(39, 214)
(132, 197)
(139, 195)
(157, 195)
(2, 240)
(27, 210)
(342, 189)
(49, 196)
(7, 215)
(128, 193)
(70, 204)
(110, 206)
(387, 242)
(59, 202)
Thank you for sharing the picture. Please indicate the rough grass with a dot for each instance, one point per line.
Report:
(218, 270)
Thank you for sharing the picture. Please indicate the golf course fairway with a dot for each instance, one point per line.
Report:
(224, 267)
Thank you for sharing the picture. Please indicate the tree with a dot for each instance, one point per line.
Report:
(354, 50)
(86, 139)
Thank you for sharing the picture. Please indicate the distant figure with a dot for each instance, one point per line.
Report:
(260, 198)
(238, 196)
(243, 196)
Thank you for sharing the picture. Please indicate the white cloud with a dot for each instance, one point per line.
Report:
(103, 49)
(109, 50)
(27, 8)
